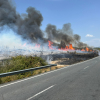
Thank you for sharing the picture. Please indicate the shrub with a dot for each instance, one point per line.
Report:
(7, 79)
(20, 63)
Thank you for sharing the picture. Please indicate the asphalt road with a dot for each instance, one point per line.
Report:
(76, 82)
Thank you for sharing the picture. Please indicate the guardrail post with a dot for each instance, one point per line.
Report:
(31, 72)
(50, 68)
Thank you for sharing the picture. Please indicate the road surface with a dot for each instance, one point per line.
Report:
(76, 82)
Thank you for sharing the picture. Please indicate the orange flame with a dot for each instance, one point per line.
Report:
(82, 50)
(87, 49)
(50, 44)
(67, 47)
(71, 47)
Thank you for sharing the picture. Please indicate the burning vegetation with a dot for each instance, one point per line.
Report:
(28, 27)
(61, 46)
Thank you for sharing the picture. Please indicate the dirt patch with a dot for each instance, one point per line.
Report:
(60, 62)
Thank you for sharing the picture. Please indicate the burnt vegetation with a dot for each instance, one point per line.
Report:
(28, 27)
(72, 57)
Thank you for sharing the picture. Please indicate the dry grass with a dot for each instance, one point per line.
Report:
(62, 62)
(27, 74)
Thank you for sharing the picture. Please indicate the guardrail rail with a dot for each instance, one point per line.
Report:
(26, 70)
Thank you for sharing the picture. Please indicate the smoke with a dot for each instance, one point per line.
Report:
(59, 35)
(81, 44)
(10, 40)
(27, 26)
(8, 15)
(77, 37)
(64, 35)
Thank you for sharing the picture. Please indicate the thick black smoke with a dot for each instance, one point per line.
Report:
(8, 14)
(28, 25)
(77, 37)
(64, 35)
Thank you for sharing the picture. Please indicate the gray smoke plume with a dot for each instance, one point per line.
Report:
(8, 14)
(61, 34)
(28, 26)
(77, 37)
(81, 44)
(65, 34)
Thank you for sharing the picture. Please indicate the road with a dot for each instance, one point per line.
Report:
(76, 82)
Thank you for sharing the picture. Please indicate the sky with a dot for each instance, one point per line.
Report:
(84, 16)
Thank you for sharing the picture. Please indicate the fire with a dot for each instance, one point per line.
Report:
(67, 47)
(64, 49)
(50, 44)
(71, 47)
(82, 50)
(87, 49)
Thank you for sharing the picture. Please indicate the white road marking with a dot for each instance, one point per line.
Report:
(86, 67)
(45, 73)
(40, 92)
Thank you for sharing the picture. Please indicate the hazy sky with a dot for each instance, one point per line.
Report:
(84, 16)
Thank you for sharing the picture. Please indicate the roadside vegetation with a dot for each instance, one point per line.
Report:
(24, 62)
(97, 48)
(20, 63)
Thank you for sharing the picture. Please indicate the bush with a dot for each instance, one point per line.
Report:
(7, 79)
(20, 63)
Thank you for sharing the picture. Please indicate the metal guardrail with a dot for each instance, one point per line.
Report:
(26, 70)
